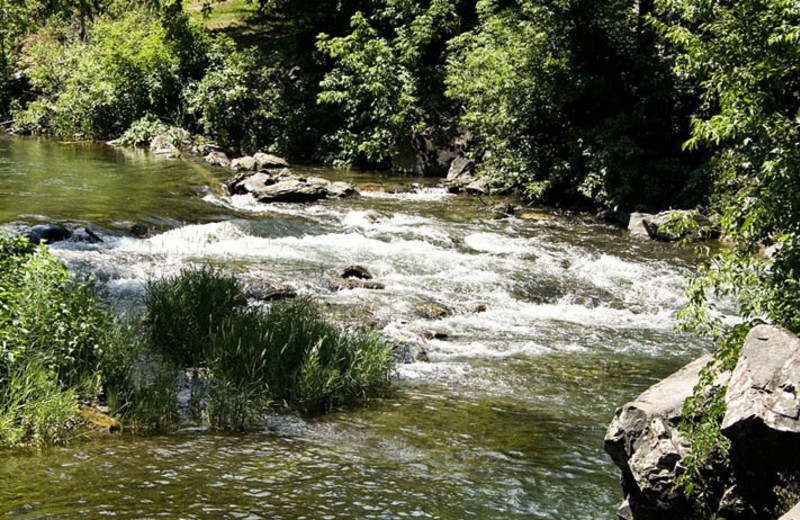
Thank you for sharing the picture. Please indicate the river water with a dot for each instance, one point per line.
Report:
(505, 421)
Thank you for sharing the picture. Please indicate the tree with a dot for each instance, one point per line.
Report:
(746, 57)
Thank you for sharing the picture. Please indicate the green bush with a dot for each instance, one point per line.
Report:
(53, 332)
(238, 100)
(288, 353)
(127, 68)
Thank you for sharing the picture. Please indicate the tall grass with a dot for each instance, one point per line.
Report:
(185, 311)
(288, 353)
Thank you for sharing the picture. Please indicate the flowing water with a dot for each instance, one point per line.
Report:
(505, 421)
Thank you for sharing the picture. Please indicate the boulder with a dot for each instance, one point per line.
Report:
(762, 420)
(268, 293)
(428, 154)
(162, 145)
(407, 352)
(461, 168)
(644, 442)
(218, 159)
(265, 161)
(246, 164)
(355, 283)
(341, 190)
(281, 186)
(477, 187)
(291, 190)
(47, 234)
(431, 311)
(651, 226)
(356, 271)
(636, 224)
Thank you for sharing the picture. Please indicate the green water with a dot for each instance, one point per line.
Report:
(506, 421)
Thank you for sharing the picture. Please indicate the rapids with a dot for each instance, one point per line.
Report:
(505, 421)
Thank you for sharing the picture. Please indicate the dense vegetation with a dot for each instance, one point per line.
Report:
(62, 352)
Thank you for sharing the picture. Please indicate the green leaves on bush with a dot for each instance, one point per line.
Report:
(52, 338)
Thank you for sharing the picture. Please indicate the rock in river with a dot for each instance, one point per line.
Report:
(47, 233)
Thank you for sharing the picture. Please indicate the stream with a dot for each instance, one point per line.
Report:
(506, 419)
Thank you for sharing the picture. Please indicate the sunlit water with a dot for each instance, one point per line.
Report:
(505, 421)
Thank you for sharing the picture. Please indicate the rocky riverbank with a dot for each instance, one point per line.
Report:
(762, 423)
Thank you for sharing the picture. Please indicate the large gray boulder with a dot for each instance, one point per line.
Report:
(217, 158)
(265, 161)
(762, 421)
(291, 190)
(647, 225)
(461, 168)
(644, 442)
(243, 164)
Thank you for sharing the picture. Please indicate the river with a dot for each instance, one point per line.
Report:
(505, 421)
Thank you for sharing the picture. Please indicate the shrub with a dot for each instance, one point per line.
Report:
(289, 353)
(237, 101)
(126, 68)
(52, 336)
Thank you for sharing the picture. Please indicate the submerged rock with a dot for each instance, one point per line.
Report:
(355, 283)
(356, 271)
(47, 234)
(431, 311)
(407, 352)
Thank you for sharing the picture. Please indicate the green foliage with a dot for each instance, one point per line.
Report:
(34, 408)
(387, 77)
(237, 102)
(288, 352)
(744, 54)
(98, 88)
(573, 101)
(52, 337)
(142, 132)
(184, 312)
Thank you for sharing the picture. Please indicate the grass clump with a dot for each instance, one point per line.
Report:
(250, 356)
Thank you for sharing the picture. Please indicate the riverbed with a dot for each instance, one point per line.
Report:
(552, 322)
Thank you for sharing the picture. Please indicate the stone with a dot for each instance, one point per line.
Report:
(407, 352)
(355, 283)
(341, 190)
(461, 168)
(269, 293)
(431, 311)
(503, 210)
(265, 161)
(762, 420)
(478, 187)
(47, 234)
(435, 334)
(651, 226)
(162, 145)
(356, 271)
(644, 442)
(139, 230)
(246, 163)
(291, 190)
(636, 224)
(254, 183)
(218, 159)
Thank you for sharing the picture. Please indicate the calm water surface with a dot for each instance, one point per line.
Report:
(506, 421)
